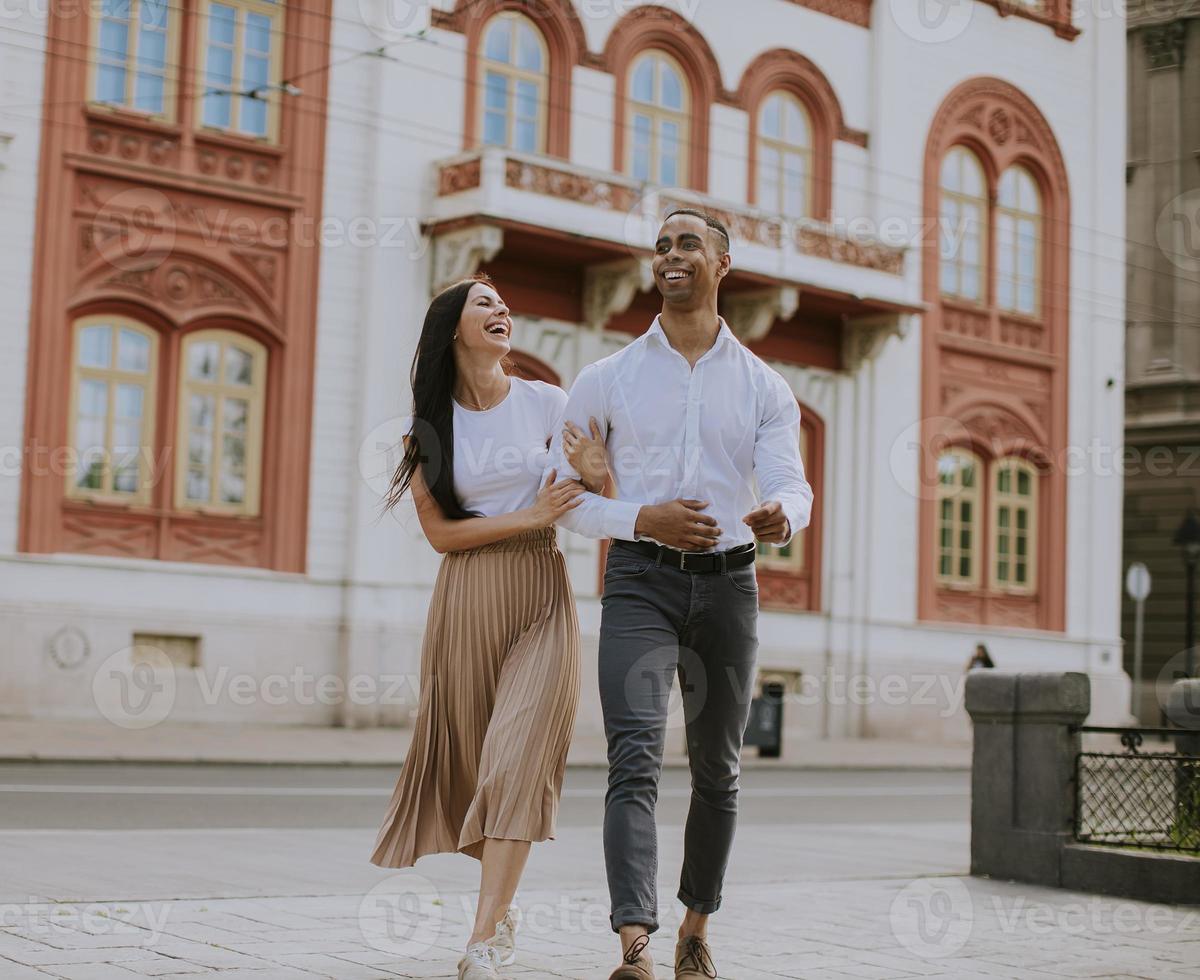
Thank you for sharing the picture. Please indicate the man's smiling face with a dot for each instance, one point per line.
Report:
(689, 260)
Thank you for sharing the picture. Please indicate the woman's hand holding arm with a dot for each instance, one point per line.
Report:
(587, 455)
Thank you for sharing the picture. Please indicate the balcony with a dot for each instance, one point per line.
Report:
(798, 288)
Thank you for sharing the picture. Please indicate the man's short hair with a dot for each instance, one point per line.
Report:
(708, 219)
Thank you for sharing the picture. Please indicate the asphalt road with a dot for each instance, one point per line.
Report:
(48, 796)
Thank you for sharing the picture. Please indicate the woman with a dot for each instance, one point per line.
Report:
(500, 658)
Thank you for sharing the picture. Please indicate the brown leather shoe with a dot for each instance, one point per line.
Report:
(693, 960)
(636, 964)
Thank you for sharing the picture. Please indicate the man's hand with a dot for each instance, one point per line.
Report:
(679, 524)
(769, 523)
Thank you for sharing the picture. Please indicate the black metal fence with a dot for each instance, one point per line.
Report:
(1136, 797)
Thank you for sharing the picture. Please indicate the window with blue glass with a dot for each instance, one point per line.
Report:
(133, 55)
(240, 45)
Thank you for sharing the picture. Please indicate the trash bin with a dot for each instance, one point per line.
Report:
(764, 730)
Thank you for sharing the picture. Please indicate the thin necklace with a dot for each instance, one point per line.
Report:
(483, 408)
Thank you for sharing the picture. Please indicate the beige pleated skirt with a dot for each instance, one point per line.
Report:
(499, 690)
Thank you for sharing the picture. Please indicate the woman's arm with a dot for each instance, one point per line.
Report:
(553, 500)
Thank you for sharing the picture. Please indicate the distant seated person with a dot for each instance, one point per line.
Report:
(980, 658)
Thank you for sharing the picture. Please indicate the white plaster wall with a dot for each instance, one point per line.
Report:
(22, 44)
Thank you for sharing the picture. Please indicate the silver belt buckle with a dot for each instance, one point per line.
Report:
(683, 557)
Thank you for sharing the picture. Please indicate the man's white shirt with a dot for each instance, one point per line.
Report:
(726, 431)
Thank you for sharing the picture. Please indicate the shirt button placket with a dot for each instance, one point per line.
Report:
(691, 451)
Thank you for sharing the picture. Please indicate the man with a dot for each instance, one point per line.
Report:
(691, 421)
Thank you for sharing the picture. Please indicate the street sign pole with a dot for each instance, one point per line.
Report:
(1137, 584)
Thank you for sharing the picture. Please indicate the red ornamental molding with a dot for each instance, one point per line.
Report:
(1052, 13)
(560, 27)
(454, 178)
(857, 12)
(995, 381)
(565, 184)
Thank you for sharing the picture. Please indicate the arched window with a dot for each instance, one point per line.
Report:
(134, 43)
(219, 447)
(112, 409)
(784, 156)
(659, 103)
(241, 45)
(514, 84)
(1014, 525)
(958, 496)
(962, 224)
(1018, 238)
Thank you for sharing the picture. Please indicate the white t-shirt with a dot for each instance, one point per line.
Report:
(501, 452)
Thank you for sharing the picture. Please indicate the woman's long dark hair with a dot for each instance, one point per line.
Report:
(430, 442)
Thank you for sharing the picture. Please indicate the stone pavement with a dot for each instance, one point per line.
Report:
(62, 740)
(818, 902)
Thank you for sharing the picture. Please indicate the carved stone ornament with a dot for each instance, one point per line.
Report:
(69, 648)
(751, 314)
(1165, 44)
(609, 288)
(864, 336)
(458, 254)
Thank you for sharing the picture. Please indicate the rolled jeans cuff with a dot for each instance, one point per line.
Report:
(633, 915)
(696, 905)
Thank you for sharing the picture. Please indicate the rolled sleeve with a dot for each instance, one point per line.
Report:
(778, 467)
(596, 516)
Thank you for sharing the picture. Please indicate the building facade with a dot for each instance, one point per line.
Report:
(927, 243)
(1162, 387)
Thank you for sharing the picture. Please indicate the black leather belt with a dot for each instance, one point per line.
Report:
(693, 561)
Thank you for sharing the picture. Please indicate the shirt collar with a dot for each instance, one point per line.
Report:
(657, 333)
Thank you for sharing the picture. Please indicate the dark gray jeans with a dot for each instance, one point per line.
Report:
(658, 621)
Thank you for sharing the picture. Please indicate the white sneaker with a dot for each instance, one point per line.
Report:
(480, 963)
(504, 942)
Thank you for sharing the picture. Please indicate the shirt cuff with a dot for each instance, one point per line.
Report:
(793, 511)
(620, 518)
